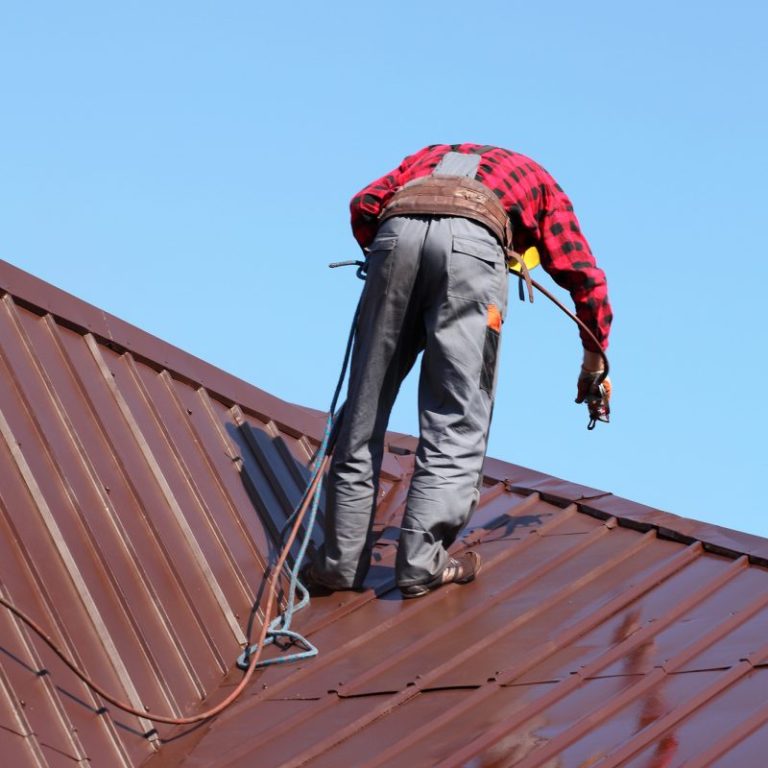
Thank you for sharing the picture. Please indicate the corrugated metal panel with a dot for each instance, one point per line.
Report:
(141, 492)
(572, 649)
(136, 516)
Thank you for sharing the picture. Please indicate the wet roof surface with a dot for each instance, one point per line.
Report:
(140, 495)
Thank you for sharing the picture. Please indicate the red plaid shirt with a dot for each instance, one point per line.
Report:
(541, 213)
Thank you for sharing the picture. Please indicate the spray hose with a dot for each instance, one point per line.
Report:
(250, 660)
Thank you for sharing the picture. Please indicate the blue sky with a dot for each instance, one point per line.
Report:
(187, 167)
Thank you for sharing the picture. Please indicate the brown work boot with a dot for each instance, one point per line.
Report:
(313, 585)
(459, 570)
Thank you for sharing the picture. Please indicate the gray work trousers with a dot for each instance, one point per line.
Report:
(430, 283)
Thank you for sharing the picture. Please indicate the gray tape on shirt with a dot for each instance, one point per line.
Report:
(457, 164)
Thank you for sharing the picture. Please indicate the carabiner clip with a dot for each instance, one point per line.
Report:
(362, 266)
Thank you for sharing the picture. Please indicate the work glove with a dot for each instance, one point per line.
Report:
(596, 394)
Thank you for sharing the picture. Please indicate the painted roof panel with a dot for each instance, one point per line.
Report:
(142, 493)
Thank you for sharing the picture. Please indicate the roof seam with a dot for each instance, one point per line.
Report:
(663, 531)
(426, 689)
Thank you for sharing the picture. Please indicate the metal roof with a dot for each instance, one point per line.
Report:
(140, 493)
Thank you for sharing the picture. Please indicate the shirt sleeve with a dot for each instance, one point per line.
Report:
(566, 256)
(369, 202)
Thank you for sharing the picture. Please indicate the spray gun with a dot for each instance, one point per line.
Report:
(594, 389)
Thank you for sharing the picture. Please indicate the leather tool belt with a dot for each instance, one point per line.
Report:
(458, 196)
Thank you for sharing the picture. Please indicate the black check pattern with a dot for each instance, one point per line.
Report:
(541, 213)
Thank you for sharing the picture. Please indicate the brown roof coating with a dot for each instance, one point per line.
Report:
(140, 494)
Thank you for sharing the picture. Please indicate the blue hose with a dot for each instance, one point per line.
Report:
(280, 626)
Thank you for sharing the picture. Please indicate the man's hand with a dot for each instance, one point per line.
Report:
(587, 386)
(592, 390)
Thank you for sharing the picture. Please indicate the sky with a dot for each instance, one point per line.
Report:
(187, 166)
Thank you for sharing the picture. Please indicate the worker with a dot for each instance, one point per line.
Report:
(437, 233)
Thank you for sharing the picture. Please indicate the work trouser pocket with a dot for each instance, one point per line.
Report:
(379, 264)
(474, 269)
(490, 356)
